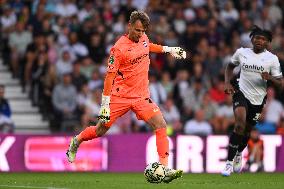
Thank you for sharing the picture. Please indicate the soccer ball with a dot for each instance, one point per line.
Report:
(155, 172)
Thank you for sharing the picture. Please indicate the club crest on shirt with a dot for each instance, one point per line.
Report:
(145, 44)
(111, 59)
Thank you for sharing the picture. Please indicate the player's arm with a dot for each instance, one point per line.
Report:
(176, 52)
(275, 76)
(229, 89)
(108, 83)
(277, 82)
(113, 65)
(229, 74)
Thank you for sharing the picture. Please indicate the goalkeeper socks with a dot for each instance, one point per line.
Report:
(87, 134)
(234, 142)
(244, 143)
(162, 144)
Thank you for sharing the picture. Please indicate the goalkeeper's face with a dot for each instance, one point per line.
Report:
(136, 30)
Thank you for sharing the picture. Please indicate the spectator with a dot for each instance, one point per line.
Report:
(193, 95)
(97, 48)
(213, 63)
(271, 114)
(83, 95)
(198, 73)
(92, 104)
(87, 67)
(64, 64)
(217, 91)
(264, 21)
(18, 42)
(280, 127)
(229, 15)
(39, 70)
(255, 155)
(167, 83)
(77, 48)
(96, 81)
(66, 9)
(6, 123)
(64, 101)
(8, 19)
(162, 26)
(180, 86)
(198, 126)
(225, 117)
(157, 91)
(38, 44)
(50, 81)
(275, 13)
(210, 108)
(78, 79)
(86, 12)
(172, 117)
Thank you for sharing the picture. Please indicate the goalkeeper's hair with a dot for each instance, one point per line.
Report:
(258, 31)
(142, 16)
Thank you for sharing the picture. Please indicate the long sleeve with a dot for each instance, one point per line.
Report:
(155, 48)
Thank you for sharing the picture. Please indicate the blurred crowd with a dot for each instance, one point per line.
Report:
(59, 50)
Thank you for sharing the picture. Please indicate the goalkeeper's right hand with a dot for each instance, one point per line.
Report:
(104, 114)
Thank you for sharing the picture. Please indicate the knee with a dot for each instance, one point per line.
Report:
(160, 125)
(101, 130)
(99, 134)
(240, 129)
(240, 126)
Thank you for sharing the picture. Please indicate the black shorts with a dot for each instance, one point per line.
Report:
(253, 111)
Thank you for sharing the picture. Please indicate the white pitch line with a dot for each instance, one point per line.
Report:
(31, 187)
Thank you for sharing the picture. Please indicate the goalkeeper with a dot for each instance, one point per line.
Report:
(126, 88)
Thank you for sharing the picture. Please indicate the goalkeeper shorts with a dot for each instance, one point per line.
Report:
(144, 108)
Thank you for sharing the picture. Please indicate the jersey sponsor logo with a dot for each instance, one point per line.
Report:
(253, 68)
(138, 59)
(111, 59)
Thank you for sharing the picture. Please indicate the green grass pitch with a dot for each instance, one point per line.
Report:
(137, 181)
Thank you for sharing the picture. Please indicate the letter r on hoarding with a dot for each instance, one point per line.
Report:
(189, 153)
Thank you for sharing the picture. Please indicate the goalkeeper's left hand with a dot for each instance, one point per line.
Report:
(176, 52)
(104, 114)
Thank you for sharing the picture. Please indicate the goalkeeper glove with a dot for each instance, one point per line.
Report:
(104, 114)
(176, 52)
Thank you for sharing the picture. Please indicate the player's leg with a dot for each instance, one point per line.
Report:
(118, 107)
(89, 133)
(254, 112)
(147, 110)
(236, 138)
(158, 123)
(237, 162)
